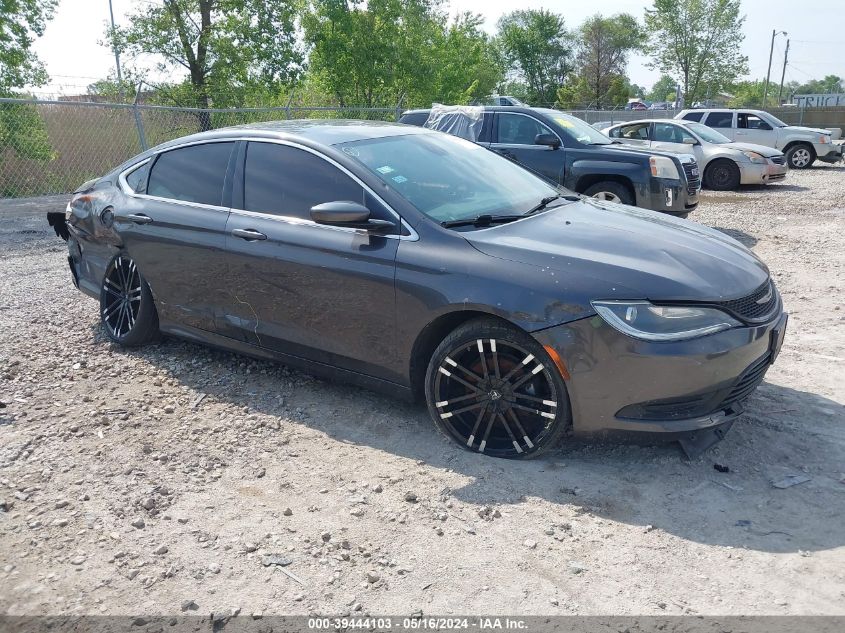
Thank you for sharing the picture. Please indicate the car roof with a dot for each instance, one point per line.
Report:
(319, 131)
(675, 121)
(486, 108)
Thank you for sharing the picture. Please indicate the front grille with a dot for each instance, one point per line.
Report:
(693, 177)
(779, 160)
(750, 308)
(748, 382)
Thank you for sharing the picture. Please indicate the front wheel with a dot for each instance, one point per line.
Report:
(800, 157)
(611, 192)
(493, 389)
(722, 175)
(126, 304)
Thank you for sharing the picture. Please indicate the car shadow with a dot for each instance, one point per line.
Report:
(650, 484)
(742, 237)
(775, 186)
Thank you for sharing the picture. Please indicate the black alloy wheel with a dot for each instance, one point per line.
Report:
(490, 393)
(723, 175)
(126, 304)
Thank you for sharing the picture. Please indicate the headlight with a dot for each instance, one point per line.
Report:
(754, 157)
(824, 139)
(663, 167)
(643, 320)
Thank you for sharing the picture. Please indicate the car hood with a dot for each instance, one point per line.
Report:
(768, 152)
(627, 253)
(628, 149)
(805, 130)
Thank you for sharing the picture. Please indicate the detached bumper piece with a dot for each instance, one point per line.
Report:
(834, 155)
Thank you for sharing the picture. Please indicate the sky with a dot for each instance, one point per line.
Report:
(70, 49)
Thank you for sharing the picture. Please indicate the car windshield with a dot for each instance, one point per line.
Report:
(707, 134)
(449, 178)
(771, 118)
(577, 129)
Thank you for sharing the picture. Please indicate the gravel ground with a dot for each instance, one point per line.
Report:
(175, 477)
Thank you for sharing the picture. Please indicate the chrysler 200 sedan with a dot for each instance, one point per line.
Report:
(419, 263)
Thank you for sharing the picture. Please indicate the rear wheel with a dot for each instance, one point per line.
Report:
(492, 389)
(610, 191)
(800, 156)
(126, 304)
(722, 175)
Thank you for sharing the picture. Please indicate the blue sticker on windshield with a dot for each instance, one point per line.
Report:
(386, 169)
(399, 179)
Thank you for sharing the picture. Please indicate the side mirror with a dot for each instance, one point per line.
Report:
(348, 214)
(547, 139)
(690, 141)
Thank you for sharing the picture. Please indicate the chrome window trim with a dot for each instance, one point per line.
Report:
(533, 118)
(412, 237)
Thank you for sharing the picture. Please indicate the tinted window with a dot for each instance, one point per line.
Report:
(669, 133)
(288, 181)
(637, 131)
(693, 116)
(414, 118)
(516, 129)
(193, 174)
(751, 122)
(137, 178)
(720, 119)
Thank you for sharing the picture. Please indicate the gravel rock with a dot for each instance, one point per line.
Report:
(160, 550)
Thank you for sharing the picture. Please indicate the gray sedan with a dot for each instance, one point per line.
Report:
(725, 165)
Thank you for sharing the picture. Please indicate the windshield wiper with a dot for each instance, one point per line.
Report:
(482, 220)
(548, 199)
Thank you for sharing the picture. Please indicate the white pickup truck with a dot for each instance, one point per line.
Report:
(802, 145)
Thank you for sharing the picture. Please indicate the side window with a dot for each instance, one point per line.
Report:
(751, 122)
(637, 131)
(720, 119)
(193, 174)
(289, 181)
(516, 129)
(693, 116)
(414, 118)
(484, 137)
(137, 178)
(667, 133)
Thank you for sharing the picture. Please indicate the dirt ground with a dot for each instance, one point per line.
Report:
(175, 477)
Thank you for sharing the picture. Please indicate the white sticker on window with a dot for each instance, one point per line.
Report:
(386, 169)
(399, 179)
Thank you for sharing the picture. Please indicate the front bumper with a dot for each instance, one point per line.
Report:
(829, 152)
(674, 197)
(620, 384)
(762, 174)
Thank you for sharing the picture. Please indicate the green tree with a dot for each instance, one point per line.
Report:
(831, 84)
(663, 89)
(603, 55)
(698, 41)
(538, 50)
(227, 47)
(746, 94)
(22, 130)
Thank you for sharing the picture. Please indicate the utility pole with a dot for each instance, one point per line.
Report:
(783, 74)
(116, 53)
(769, 72)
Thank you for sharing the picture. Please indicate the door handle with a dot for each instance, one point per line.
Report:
(248, 234)
(138, 218)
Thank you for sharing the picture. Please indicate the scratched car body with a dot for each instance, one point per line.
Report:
(411, 261)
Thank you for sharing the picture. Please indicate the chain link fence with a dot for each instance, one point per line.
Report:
(51, 147)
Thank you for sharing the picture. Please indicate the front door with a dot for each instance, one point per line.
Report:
(317, 292)
(669, 137)
(173, 226)
(750, 128)
(513, 137)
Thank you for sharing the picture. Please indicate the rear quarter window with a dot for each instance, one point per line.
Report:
(414, 118)
(693, 116)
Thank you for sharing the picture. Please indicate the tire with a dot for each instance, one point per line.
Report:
(800, 156)
(127, 310)
(491, 388)
(722, 175)
(611, 192)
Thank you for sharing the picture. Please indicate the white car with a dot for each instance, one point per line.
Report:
(725, 165)
(802, 145)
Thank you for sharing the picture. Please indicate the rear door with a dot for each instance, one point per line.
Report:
(513, 137)
(318, 292)
(173, 227)
(750, 128)
(722, 120)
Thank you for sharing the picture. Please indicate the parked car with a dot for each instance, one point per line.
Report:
(801, 145)
(569, 152)
(422, 264)
(636, 105)
(500, 100)
(724, 165)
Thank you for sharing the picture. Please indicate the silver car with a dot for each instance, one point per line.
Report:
(725, 165)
